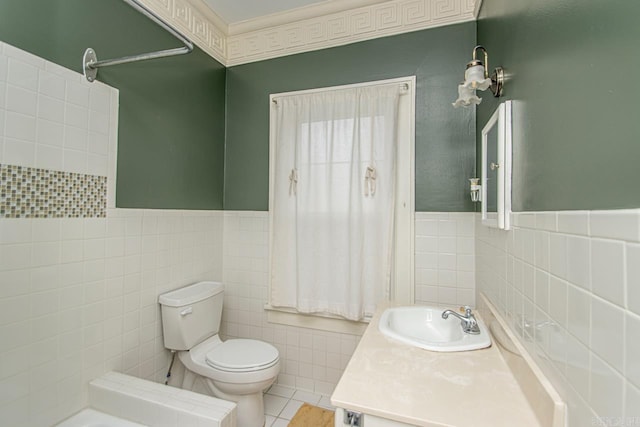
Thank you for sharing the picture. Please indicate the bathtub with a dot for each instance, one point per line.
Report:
(92, 418)
(120, 400)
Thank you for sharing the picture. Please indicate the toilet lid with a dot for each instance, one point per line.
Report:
(241, 355)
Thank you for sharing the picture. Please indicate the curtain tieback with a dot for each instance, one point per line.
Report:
(370, 181)
(293, 182)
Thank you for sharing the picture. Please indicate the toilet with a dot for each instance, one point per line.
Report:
(238, 370)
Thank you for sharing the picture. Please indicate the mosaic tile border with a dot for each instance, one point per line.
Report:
(27, 192)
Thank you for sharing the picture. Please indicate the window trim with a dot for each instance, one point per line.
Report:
(402, 289)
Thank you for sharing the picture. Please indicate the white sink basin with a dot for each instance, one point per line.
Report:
(424, 327)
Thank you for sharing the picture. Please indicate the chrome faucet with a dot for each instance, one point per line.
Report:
(468, 321)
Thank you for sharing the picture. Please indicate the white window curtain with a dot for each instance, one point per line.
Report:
(333, 200)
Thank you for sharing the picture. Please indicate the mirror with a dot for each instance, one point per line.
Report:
(496, 169)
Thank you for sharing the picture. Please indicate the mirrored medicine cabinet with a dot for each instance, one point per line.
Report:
(496, 169)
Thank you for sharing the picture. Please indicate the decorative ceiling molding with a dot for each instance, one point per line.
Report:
(207, 30)
(476, 10)
(384, 19)
(196, 21)
(298, 14)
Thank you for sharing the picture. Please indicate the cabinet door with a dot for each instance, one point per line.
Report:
(496, 168)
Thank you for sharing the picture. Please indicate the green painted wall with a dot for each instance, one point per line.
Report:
(572, 68)
(445, 137)
(171, 122)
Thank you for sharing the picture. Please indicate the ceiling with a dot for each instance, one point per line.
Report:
(236, 11)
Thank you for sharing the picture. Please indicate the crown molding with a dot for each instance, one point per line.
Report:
(336, 29)
(476, 9)
(299, 14)
(197, 22)
(305, 29)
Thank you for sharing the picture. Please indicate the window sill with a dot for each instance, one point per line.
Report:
(323, 323)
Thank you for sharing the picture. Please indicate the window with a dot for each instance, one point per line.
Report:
(341, 198)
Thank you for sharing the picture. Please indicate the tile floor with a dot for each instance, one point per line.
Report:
(281, 403)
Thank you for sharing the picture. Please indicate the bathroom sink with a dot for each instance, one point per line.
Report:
(424, 327)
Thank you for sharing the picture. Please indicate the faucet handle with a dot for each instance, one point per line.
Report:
(466, 309)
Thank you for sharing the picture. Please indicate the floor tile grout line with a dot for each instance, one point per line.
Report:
(306, 393)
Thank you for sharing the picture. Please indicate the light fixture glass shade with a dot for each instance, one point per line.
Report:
(474, 78)
(466, 97)
(475, 189)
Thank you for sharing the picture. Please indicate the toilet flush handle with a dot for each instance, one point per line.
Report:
(186, 311)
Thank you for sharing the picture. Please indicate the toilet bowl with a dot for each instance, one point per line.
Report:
(238, 370)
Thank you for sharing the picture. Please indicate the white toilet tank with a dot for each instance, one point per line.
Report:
(191, 314)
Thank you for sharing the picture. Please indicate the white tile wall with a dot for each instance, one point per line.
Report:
(445, 258)
(54, 118)
(78, 297)
(574, 302)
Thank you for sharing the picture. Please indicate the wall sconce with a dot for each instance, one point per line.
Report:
(477, 77)
(475, 190)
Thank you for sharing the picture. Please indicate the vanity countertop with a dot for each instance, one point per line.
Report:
(399, 382)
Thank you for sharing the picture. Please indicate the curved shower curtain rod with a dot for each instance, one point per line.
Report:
(90, 63)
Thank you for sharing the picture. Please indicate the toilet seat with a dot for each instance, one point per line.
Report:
(242, 355)
(195, 360)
